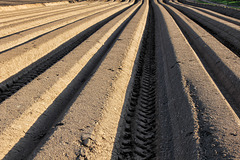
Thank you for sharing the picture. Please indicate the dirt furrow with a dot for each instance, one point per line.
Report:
(97, 44)
(217, 58)
(28, 53)
(26, 36)
(45, 14)
(211, 17)
(202, 120)
(19, 80)
(218, 15)
(138, 136)
(10, 18)
(18, 28)
(15, 5)
(227, 33)
(26, 11)
(119, 80)
(232, 12)
(108, 99)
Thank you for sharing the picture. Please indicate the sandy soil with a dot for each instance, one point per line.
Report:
(16, 5)
(24, 2)
(223, 10)
(225, 31)
(110, 80)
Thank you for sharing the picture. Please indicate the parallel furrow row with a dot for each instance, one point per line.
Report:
(10, 18)
(19, 38)
(226, 32)
(27, 53)
(88, 52)
(198, 62)
(63, 74)
(47, 17)
(17, 26)
(218, 15)
(31, 3)
(217, 59)
(17, 81)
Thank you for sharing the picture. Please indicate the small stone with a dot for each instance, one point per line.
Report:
(85, 139)
(85, 142)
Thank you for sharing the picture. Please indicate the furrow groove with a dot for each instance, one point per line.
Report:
(63, 49)
(138, 137)
(78, 69)
(226, 32)
(22, 37)
(129, 80)
(218, 65)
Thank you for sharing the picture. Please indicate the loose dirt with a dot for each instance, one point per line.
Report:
(109, 80)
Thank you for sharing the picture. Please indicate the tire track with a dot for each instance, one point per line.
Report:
(138, 137)
(120, 58)
(55, 111)
(174, 109)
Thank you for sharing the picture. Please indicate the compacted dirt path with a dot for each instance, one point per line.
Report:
(119, 80)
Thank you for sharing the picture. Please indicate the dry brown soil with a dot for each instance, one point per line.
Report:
(118, 80)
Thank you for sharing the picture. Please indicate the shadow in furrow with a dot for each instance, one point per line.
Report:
(138, 134)
(25, 76)
(225, 41)
(37, 135)
(212, 70)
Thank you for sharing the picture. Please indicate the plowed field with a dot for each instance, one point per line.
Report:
(141, 79)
